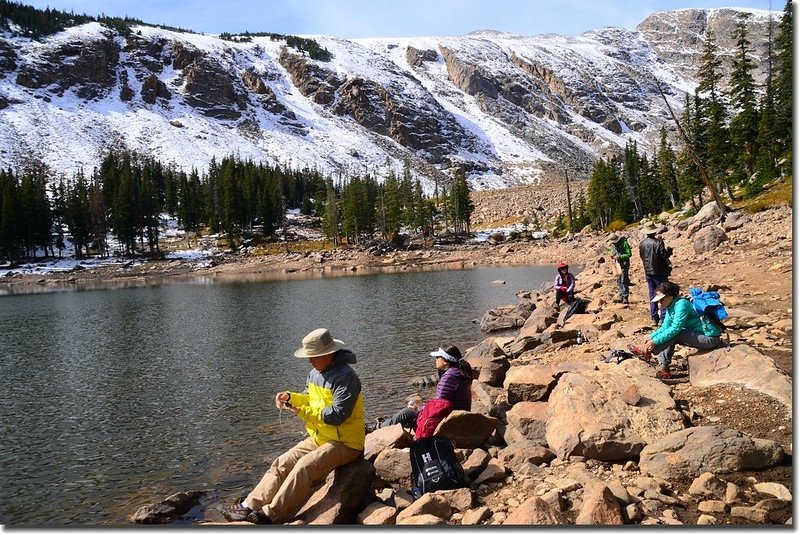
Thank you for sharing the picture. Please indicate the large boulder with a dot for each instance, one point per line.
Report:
(467, 429)
(532, 382)
(589, 416)
(519, 457)
(539, 320)
(708, 238)
(530, 419)
(340, 498)
(716, 449)
(488, 400)
(501, 318)
(489, 362)
(743, 365)
(394, 465)
(393, 436)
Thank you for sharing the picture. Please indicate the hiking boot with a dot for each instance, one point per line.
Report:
(235, 512)
(663, 372)
(625, 301)
(372, 426)
(258, 517)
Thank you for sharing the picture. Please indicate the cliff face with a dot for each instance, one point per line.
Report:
(505, 109)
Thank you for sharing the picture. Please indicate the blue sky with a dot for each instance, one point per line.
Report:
(383, 18)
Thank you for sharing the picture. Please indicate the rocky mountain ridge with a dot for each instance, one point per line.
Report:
(507, 109)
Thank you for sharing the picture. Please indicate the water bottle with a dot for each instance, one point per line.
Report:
(579, 340)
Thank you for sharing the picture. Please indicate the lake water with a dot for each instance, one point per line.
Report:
(114, 399)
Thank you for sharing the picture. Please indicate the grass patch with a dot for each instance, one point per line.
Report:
(777, 194)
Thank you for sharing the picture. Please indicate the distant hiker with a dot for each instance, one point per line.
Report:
(621, 257)
(564, 285)
(682, 325)
(453, 392)
(657, 268)
(332, 408)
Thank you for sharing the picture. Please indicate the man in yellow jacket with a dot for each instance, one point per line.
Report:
(332, 409)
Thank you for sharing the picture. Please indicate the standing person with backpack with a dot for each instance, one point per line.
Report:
(655, 258)
(682, 325)
(621, 255)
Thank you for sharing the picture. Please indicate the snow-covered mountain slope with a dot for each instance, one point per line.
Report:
(506, 109)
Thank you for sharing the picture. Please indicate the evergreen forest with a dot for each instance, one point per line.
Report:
(739, 138)
(742, 137)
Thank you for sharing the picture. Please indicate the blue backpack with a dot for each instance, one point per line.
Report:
(708, 306)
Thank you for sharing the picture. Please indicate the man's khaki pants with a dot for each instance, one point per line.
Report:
(287, 483)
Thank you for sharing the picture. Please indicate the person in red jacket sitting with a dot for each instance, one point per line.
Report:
(455, 378)
(564, 285)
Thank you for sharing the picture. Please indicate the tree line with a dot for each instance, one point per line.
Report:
(127, 196)
(743, 141)
(37, 23)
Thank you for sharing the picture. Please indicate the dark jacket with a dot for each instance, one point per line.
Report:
(454, 387)
(655, 257)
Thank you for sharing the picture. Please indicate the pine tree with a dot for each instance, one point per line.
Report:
(330, 219)
(77, 214)
(744, 124)
(461, 205)
(392, 206)
(58, 194)
(10, 216)
(766, 157)
(666, 171)
(98, 221)
(712, 114)
(784, 94)
(632, 176)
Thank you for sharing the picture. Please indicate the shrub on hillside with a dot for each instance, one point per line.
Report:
(616, 225)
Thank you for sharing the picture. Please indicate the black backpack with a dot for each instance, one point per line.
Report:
(434, 466)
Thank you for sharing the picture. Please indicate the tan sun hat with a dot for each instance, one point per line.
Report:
(613, 237)
(651, 228)
(317, 343)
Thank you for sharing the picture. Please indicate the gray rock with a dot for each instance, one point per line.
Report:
(743, 365)
(708, 238)
(168, 510)
(530, 418)
(714, 449)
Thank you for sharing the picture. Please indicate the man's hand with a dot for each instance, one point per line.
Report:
(282, 400)
(649, 345)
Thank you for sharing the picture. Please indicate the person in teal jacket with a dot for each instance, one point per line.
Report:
(681, 325)
(621, 254)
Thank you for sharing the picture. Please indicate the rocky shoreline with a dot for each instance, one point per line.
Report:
(557, 435)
